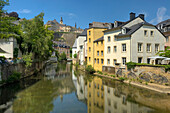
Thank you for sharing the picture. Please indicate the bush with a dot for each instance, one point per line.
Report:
(100, 72)
(131, 65)
(89, 69)
(14, 77)
(122, 79)
(75, 55)
(113, 76)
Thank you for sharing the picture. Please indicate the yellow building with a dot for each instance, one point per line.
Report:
(95, 97)
(92, 35)
(99, 53)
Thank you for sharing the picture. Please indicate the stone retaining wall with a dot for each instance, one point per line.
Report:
(146, 74)
(7, 70)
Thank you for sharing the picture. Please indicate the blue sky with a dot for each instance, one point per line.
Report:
(85, 11)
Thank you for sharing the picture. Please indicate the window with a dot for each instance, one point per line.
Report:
(98, 61)
(123, 60)
(108, 49)
(145, 33)
(108, 90)
(101, 61)
(97, 43)
(115, 61)
(102, 53)
(108, 61)
(124, 47)
(89, 59)
(156, 48)
(140, 60)
(139, 47)
(95, 60)
(89, 40)
(89, 49)
(152, 33)
(115, 49)
(108, 38)
(101, 42)
(89, 33)
(97, 53)
(148, 60)
(148, 48)
(167, 39)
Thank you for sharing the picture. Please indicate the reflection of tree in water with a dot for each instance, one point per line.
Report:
(61, 67)
(39, 97)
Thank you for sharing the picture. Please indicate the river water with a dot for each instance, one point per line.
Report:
(60, 88)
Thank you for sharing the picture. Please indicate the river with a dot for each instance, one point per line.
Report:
(60, 88)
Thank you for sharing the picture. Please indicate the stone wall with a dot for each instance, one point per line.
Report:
(108, 69)
(145, 73)
(7, 70)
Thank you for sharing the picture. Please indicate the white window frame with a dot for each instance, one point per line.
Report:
(140, 48)
(148, 47)
(123, 47)
(123, 60)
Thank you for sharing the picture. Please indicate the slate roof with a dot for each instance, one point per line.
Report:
(84, 33)
(132, 29)
(99, 39)
(75, 44)
(166, 22)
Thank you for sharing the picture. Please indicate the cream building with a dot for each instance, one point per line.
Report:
(134, 40)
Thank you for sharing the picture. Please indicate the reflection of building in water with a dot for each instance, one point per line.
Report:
(115, 102)
(80, 85)
(95, 101)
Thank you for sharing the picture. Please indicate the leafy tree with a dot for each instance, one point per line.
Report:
(7, 26)
(75, 55)
(15, 52)
(36, 38)
(165, 53)
(63, 57)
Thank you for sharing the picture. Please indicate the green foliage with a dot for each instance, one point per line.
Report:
(14, 77)
(122, 79)
(15, 52)
(113, 76)
(131, 65)
(57, 54)
(7, 27)
(100, 72)
(167, 67)
(28, 59)
(36, 38)
(75, 55)
(62, 57)
(165, 53)
(89, 69)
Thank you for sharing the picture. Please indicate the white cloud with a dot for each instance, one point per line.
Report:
(70, 15)
(160, 16)
(26, 11)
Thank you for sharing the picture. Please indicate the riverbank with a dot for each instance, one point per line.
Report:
(9, 70)
(150, 86)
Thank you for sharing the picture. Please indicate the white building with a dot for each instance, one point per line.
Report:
(78, 47)
(134, 40)
(7, 47)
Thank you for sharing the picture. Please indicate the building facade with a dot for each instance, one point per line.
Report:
(134, 40)
(164, 27)
(93, 34)
(99, 53)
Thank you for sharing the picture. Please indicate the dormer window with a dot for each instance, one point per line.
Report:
(115, 24)
(124, 31)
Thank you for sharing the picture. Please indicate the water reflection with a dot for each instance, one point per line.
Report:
(61, 89)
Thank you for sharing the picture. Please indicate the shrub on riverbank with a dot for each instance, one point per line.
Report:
(14, 77)
(89, 69)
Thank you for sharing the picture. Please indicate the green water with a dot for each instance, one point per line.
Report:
(62, 89)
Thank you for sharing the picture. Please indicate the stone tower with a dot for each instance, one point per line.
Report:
(61, 21)
(75, 25)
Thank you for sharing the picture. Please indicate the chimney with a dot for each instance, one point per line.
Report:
(142, 16)
(132, 16)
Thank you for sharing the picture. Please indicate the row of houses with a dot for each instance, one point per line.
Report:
(105, 45)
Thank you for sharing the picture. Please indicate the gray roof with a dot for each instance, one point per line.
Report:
(84, 33)
(99, 39)
(132, 29)
(166, 22)
(75, 44)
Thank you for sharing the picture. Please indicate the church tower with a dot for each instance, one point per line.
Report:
(61, 21)
(75, 25)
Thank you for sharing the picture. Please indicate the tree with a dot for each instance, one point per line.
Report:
(63, 57)
(36, 38)
(165, 53)
(15, 54)
(7, 26)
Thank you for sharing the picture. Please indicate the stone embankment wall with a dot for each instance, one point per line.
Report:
(145, 73)
(7, 70)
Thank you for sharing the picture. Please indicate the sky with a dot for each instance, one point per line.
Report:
(84, 12)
